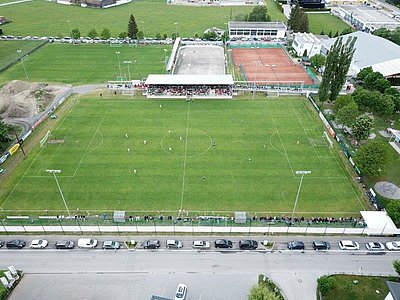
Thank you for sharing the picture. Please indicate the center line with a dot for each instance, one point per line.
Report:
(184, 159)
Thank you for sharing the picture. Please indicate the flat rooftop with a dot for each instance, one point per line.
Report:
(158, 79)
(369, 14)
(256, 25)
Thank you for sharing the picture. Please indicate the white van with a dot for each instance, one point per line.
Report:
(87, 243)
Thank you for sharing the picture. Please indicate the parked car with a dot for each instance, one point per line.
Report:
(348, 245)
(321, 245)
(1, 244)
(38, 244)
(223, 244)
(65, 244)
(15, 244)
(112, 245)
(181, 292)
(248, 244)
(393, 246)
(87, 243)
(295, 245)
(201, 245)
(375, 246)
(174, 244)
(151, 244)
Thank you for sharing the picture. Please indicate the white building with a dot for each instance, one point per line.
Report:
(256, 30)
(306, 42)
(371, 51)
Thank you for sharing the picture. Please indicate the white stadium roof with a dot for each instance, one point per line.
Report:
(372, 51)
(157, 79)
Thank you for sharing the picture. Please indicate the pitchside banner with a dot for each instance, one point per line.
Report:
(13, 149)
(4, 158)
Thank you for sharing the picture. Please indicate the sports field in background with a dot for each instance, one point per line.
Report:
(8, 50)
(79, 64)
(204, 156)
(152, 17)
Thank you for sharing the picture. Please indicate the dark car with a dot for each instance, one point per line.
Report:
(248, 244)
(295, 245)
(1, 244)
(321, 245)
(15, 244)
(151, 244)
(223, 244)
(65, 244)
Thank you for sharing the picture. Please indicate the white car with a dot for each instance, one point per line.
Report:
(87, 243)
(375, 246)
(181, 292)
(174, 244)
(393, 246)
(38, 244)
(201, 245)
(348, 245)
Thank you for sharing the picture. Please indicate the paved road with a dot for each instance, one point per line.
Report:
(95, 273)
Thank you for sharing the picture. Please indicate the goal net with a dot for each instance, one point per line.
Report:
(326, 137)
(45, 138)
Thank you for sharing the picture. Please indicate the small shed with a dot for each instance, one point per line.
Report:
(119, 216)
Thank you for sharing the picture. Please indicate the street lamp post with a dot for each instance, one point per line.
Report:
(22, 59)
(298, 191)
(119, 64)
(54, 172)
(128, 62)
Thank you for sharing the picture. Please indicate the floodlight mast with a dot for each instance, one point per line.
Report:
(54, 172)
(298, 191)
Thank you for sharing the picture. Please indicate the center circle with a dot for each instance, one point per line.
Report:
(189, 143)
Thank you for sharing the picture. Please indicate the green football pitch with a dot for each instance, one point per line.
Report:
(206, 156)
(92, 63)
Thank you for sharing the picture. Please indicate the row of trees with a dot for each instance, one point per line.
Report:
(5, 135)
(391, 35)
(298, 20)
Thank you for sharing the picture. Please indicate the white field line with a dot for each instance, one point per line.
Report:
(15, 2)
(87, 149)
(344, 172)
(284, 149)
(185, 156)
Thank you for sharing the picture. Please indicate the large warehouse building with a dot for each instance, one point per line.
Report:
(256, 30)
(371, 51)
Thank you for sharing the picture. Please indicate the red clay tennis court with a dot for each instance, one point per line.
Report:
(269, 64)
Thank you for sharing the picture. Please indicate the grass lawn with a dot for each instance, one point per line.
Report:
(274, 12)
(325, 22)
(152, 17)
(366, 288)
(177, 167)
(83, 63)
(8, 50)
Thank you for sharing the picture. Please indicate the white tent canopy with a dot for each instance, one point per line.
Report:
(157, 79)
(378, 220)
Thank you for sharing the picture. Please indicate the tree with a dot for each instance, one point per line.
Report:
(75, 33)
(325, 284)
(372, 157)
(239, 17)
(347, 115)
(4, 135)
(210, 35)
(165, 36)
(364, 73)
(336, 34)
(298, 19)
(393, 210)
(105, 34)
(123, 35)
(158, 36)
(337, 65)
(362, 127)
(346, 31)
(318, 61)
(396, 263)
(140, 35)
(258, 14)
(92, 33)
(386, 106)
(343, 101)
(260, 292)
(132, 28)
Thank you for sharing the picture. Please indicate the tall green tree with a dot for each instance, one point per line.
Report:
(372, 157)
(361, 128)
(318, 61)
(259, 14)
(132, 28)
(92, 33)
(298, 19)
(337, 65)
(343, 101)
(5, 135)
(260, 292)
(105, 34)
(75, 33)
(347, 115)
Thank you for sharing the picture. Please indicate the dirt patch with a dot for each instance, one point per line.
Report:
(20, 99)
(388, 190)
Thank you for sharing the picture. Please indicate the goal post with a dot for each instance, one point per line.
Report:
(326, 137)
(44, 139)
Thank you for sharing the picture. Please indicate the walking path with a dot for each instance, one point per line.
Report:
(15, 2)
